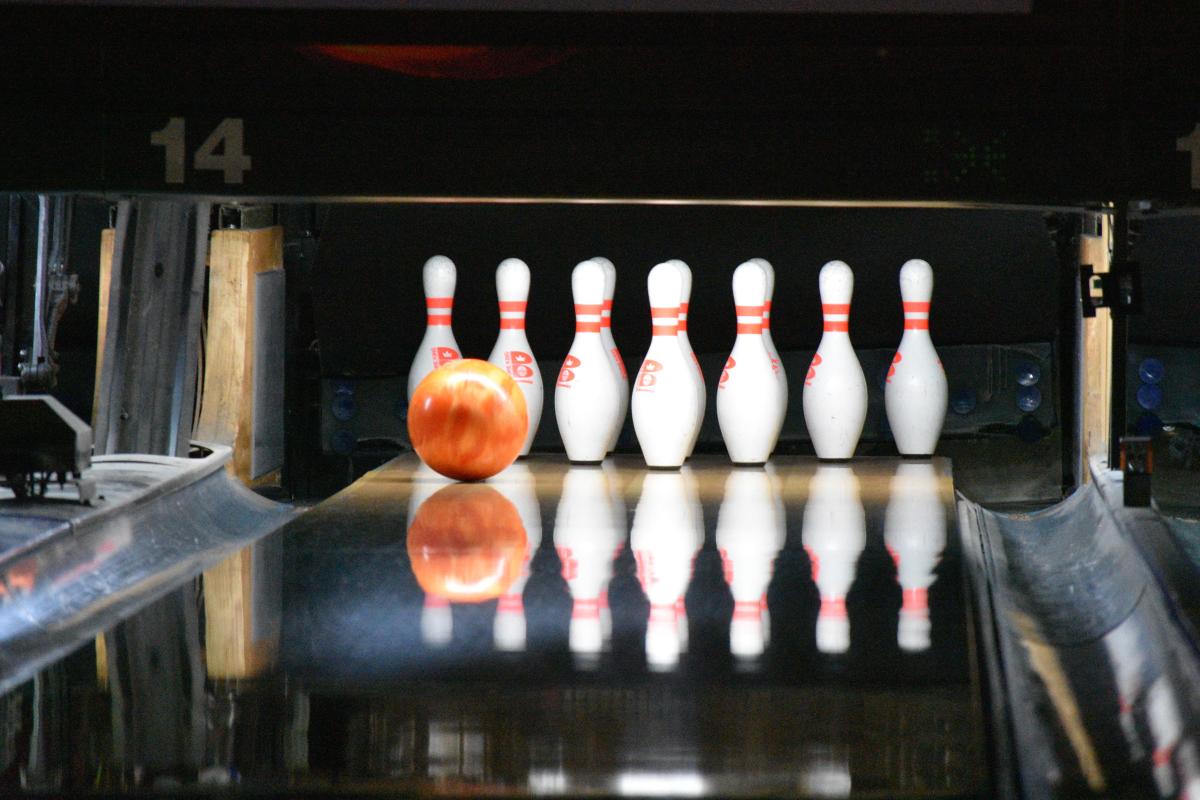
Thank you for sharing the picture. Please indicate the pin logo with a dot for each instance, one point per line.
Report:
(729, 364)
(570, 565)
(444, 355)
(892, 369)
(620, 363)
(812, 370)
(567, 374)
(646, 378)
(518, 365)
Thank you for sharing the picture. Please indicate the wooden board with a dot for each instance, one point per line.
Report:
(241, 611)
(107, 240)
(236, 257)
(1096, 355)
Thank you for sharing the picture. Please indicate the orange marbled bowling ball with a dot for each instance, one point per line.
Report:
(467, 543)
(467, 419)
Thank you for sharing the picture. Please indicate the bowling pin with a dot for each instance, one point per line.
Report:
(750, 533)
(664, 542)
(586, 537)
(1166, 728)
(512, 352)
(915, 391)
(834, 535)
(914, 532)
(769, 341)
(587, 394)
(610, 344)
(517, 484)
(835, 390)
(438, 346)
(1127, 651)
(748, 397)
(665, 403)
(689, 354)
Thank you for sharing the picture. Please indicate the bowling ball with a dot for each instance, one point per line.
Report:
(467, 543)
(467, 420)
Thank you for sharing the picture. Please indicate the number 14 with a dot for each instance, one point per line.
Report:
(232, 162)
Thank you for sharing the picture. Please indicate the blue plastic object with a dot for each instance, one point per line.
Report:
(1028, 373)
(1147, 425)
(344, 406)
(1150, 396)
(1151, 370)
(963, 400)
(1029, 399)
(344, 443)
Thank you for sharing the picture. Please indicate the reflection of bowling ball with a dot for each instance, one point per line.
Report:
(466, 543)
(467, 419)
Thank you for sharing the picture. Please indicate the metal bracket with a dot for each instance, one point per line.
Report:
(1119, 289)
(243, 217)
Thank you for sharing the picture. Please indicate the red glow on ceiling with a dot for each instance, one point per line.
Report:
(456, 62)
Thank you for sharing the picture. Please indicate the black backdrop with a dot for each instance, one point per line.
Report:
(996, 273)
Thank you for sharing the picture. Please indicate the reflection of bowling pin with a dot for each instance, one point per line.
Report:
(835, 533)
(776, 361)
(587, 395)
(512, 352)
(665, 407)
(835, 390)
(437, 622)
(616, 490)
(685, 344)
(1166, 727)
(618, 364)
(750, 532)
(694, 512)
(748, 397)
(915, 392)
(1127, 652)
(517, 484)
(914, 531)
(586, 536)
(664, 542)
(438, 346)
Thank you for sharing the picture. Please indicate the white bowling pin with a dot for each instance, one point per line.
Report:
(518, 485)
(835, 390)
(587, 394)
(689, 354)
(834, 535)
(512, 352)
(586, 536)
(610, 344)
(664, 404)
(1166, 729)
(915, 391)
(914, 532)
(750, 533)
(663, 542)
(769, 341)
(748, 398)
(438, 346)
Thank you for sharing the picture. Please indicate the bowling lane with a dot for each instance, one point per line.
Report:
(801, 630)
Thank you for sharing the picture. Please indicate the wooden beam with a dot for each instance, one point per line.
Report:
(1096, 354)
(107, 240)
(238, 260)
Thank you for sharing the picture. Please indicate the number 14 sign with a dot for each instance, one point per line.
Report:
(228, 138)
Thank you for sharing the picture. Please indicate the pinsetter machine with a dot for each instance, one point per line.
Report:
(216, 221)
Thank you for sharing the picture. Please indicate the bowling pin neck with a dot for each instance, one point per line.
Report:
(664, 320)
(837, 318)
(512, 315)
(439, 310)
(588, 317)
(916, 315)
(683, 311)
(766, 316)
(749, 320)
(606, 314)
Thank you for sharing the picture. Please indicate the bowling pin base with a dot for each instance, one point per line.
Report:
(749, 463)
(656, 468)
(916, 456)
(835, 460)
(580, 463)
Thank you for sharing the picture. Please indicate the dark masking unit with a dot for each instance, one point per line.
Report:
(240, 578)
